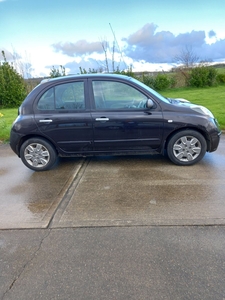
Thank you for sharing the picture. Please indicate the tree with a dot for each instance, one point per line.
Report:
(187, 57)
(12, 86)
(110, 52)
(105, 46)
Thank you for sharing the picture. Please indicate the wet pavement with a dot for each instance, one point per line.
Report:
(113, 228)
(112, 191)
(29, 199)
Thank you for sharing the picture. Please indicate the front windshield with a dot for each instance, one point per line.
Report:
(150, 90)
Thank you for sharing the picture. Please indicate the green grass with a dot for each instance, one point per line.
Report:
(221, 70)
(213, 98)
(9, 115)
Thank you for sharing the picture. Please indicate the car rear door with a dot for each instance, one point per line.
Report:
(62, 115)
(121, 121)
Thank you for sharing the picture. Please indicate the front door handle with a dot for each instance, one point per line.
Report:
(102, 119)
(45, 121)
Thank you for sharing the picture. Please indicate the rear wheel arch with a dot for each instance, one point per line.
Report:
(27, 137)
(38, 153)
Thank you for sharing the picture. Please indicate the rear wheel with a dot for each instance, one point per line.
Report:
(38, 154)
(186, 148)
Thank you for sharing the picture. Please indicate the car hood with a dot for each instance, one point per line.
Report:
(179, 100)
(197, 108)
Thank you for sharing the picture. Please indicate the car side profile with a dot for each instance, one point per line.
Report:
(108, 114)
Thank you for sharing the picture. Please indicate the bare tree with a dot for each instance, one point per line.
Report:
(105, 46)
(113, 59)
(187, 57)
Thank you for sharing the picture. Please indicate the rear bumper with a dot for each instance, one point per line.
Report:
(14, 142)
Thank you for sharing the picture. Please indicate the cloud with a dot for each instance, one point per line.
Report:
(160, 47)
(74, 66)
(146, 49)
(214, 51)
(148, 45)
(80, 47)
(154, 46)
(144, 36)
(211, 34)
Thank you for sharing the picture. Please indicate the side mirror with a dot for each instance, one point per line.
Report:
(149, 103)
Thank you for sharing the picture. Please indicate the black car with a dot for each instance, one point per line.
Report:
(108, 114)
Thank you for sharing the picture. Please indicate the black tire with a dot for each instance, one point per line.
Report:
(186, 147)
(38, 154)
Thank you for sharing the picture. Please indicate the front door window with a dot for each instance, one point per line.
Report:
(112, 95)
(121, 120)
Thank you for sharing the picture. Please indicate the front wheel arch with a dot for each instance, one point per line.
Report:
(186, 147)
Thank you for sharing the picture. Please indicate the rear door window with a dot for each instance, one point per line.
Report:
(67, 96)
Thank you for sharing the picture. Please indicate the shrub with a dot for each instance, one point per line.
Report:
(220, 78)
(128, 72)
(173, 81)
(148, 80)
(212, 74)
(158, 82)
(161, 82)
(57, 72)
(181, 76)
(202, 76)
(12, 86)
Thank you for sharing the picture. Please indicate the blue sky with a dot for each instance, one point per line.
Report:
(149, 33)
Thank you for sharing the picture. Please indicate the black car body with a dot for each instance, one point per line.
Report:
(108, 114)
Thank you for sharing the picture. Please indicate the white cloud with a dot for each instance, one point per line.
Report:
(162, 46)
(78, 48)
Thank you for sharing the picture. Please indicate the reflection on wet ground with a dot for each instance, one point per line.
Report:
(146, 191)
(29, 199)
(112, 191)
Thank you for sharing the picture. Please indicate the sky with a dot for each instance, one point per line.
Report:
(144, 34)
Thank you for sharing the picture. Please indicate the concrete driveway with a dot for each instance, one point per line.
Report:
(112, 191)
(86, 240)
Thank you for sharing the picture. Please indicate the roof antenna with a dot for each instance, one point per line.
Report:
(121, 54)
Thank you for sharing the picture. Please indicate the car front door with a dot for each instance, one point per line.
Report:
(121, 121)
(62, 116)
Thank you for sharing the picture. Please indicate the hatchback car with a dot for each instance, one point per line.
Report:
(108, 114)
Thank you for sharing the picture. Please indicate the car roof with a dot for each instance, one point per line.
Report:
(92, 75)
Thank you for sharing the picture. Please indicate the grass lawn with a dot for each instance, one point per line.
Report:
(212, 97)
(9, 115)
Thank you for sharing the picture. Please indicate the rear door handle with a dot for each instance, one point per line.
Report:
(102, 119)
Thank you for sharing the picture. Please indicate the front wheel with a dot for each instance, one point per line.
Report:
(186, 148)
(38, 154)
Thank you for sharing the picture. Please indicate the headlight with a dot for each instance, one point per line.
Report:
(202, 110)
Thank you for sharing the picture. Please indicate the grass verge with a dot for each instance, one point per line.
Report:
(7, 116)
(211, 97)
